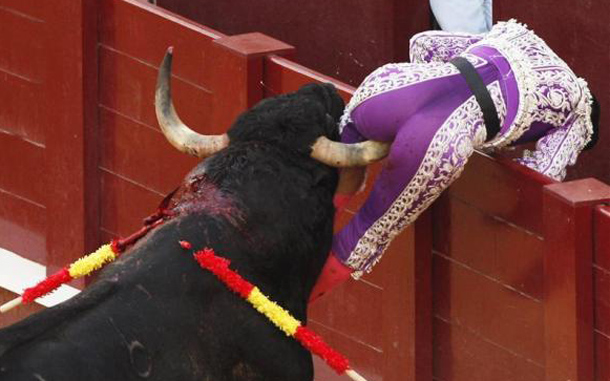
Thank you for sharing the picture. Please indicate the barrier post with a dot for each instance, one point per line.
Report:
(568, 277)
(251, 49)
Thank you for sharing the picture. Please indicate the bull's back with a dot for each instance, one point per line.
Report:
(153, 315)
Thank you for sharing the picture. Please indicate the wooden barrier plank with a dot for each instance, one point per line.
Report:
(22, 162)
(407, 303)
(21, 100)
(365, 359)
(568, 277)
(357, 302)
(27, 9)
(125, 204)
(601, 269)
(128, 87)
(128, 147)
(144, 31)
(602, 299)
(508, 191)
(492, 311)
(500, 250)
(282, 76)
(71, 143)
(23, 226)
(462, 355)
(602, 237)
(19, 42)
(602, 357)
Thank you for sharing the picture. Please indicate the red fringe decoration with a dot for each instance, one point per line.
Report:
(185, 245)
(46, 286)
(316, 345)
(220, 267)
(116, 246)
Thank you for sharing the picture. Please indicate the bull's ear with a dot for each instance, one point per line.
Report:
(341, 155)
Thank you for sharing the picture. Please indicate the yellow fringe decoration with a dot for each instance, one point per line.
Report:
(92, 262)
(279, 316)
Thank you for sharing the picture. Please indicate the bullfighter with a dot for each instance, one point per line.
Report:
(427, 109)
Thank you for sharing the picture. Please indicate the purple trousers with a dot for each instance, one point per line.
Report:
(427, 111)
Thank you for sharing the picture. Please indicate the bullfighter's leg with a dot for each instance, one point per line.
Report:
(422, 163)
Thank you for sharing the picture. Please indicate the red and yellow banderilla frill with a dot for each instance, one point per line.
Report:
(208, 260)
(81, 267)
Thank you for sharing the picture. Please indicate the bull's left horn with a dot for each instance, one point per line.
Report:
(341, 155)
(176, 132)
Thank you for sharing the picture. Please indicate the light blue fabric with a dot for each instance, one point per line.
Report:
(467, 16)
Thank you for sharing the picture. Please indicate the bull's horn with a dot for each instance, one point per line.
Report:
(342, 155)
(176, 132)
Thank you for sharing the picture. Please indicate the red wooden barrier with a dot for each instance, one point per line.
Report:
(487, 275)
(568, 272)
(497, 281)
(601, 287)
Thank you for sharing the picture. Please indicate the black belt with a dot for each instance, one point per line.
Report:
(480, 92)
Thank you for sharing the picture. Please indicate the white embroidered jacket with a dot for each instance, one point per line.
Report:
(549, 92)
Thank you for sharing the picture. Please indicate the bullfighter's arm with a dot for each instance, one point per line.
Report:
(561, 146)
(439, 46)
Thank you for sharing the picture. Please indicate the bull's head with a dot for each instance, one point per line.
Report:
(320, 147)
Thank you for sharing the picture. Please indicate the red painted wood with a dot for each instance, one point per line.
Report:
(125, 204)
(568, 258)
(70, 156)
(407, 298)
(128, 88)
(357, 302)
(28, 9)
(460, 354)
(365, 359)
(513, 194)
(494, 312)
(501, 251)
(602, 357)
(90, 123)
(283, 75)
(125, 26)
(601, 269)
(21, 77)
(253, 46)
(25, 163)
(23, 227)
(16, 53)
(602, 300)
(22, 113)
(127, 147)
(602, 237)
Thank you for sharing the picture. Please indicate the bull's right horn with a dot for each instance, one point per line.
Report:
(176, 132)
(341, 155)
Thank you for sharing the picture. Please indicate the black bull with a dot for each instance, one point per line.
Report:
(263, 203)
